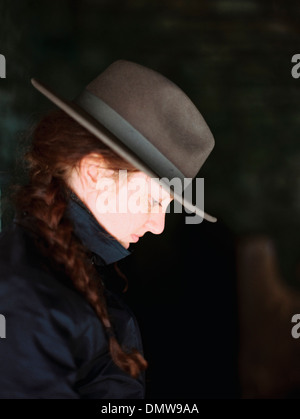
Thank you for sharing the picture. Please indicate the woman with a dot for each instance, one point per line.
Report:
(89, 195)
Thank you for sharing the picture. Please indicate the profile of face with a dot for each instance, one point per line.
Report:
(127, 205)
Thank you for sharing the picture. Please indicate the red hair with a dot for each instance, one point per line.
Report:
(58, 145)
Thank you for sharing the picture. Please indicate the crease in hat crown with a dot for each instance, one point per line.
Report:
(145, 118)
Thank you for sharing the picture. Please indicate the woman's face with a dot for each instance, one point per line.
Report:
(131, 206)
(127, 205)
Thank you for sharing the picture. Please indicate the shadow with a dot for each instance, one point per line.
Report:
(182, 288)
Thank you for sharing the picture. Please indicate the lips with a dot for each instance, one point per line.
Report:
(135, 238)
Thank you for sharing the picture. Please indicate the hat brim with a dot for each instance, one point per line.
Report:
(104, 135)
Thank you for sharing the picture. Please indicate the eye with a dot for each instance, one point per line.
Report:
(155, 202)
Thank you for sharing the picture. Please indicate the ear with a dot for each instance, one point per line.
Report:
(92, 167)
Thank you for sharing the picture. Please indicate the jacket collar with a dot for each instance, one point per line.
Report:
(106, 248)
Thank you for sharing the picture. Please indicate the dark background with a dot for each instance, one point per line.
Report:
(233, 59)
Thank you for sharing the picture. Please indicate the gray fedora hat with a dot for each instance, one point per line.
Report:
(146, 119)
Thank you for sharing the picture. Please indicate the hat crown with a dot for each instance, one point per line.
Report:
(159, 110)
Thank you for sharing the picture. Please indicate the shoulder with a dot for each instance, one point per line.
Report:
(51, 328)
(18, 250)
(31, 290)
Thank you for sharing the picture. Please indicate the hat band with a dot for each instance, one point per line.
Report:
(128, 135)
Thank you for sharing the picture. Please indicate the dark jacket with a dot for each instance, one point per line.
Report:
(55, 345)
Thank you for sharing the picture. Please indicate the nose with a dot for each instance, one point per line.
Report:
(156, 222)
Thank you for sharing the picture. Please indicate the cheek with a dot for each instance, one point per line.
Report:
(131, 223)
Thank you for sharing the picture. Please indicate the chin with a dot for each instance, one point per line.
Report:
(125, 244)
